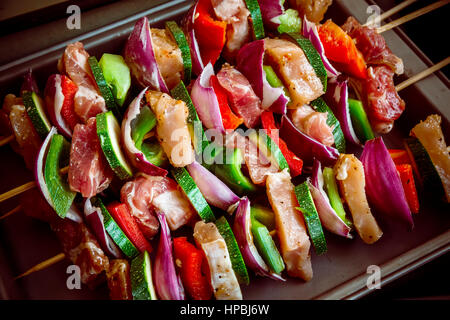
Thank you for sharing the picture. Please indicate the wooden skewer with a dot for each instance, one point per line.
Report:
(390, 12)
(422, 74)
(25, 187)
(412, 15)
(6, 140)
(16, 209)
(43, 265)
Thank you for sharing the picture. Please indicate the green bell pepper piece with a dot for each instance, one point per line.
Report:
(263, 215)
(359, 120)
(331, 188)
(117, 76)
(266, 246)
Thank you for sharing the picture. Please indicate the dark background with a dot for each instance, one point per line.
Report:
(430, 33)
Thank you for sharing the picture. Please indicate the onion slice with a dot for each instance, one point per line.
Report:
(213, 189)
(271, 10)
(249, 62)
(135, 155)
(188, 28)
(337, 98)
(205, 100)
(29, 83)
(328, 216)
(140, 57)
(244, 238)
(54, 100)
(306, 147)
(383, 185)
(309, 31)
(167, 282)
(96, 222)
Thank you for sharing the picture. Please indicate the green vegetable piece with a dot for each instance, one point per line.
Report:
(35, 108)
(108, 132)
(257, 22)
(290, 22)
(359, 120)
(57, 158)
(308, 209)
(339, 139)
(269, 148)
(144, 122)
(117, 76)
(272, 77)
(263, 215)
(182, 43)
(228, 169)
(114, 231)
(193, 193)
(331, 188)
(312, 55)
(237, 261)
(266, 246)
(141, 278)
(198, 135)
(103, 86)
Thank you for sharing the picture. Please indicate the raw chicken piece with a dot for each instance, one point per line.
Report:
(313, 9)
(313, 124)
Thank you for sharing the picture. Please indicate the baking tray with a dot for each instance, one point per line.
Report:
(341, 273)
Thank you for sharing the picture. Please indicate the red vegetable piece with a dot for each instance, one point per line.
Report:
(399, 156)
(69, 88)
(229, 119)
(120, 213)
(340, 48)
(210, 33)
(192, 261)
(407, 178)
(294, 162)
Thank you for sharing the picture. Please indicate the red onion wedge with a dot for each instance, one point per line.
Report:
(39, 176)
(167, 282)
(337, 98)
(188, 26)
(137, 158)
(140, 57)
(244, 238)
(95, 220)
(213, 189)
(328, 217)
(306, 147)
(54, 100)
(29, 83)
(205, 100)
(271, 10)
(309, 31)
(383, 185)
(249, 62)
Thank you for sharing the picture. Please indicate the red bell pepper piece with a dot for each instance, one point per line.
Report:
(229, 119)
(399, 156)
(210, 33)
(192, 259)
(294, 162)
(406, 175)
(122, 216)
(340, 48)
(69, 88)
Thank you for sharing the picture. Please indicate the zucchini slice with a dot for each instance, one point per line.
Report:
(339, 140)
(312, 55)
(182, 43)
(237, 261)
(257, 22)
(34, 106)
(58, 188)
(308, 209)
(423, 167)
(269, 148)
(108, 131)
(193, 193)
(103, 86)
(195, 125)
(115, 232)
(141, 278)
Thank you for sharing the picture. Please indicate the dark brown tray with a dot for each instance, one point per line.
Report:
(340, 273)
